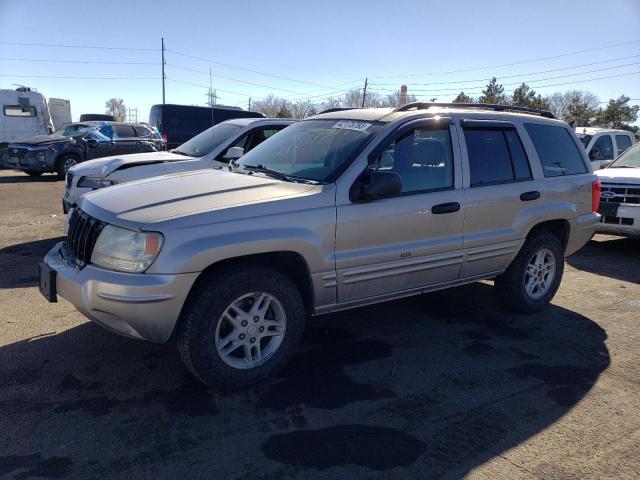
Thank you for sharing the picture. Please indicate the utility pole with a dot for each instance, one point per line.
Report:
(163, 76)
(364, 92)
(249, 103)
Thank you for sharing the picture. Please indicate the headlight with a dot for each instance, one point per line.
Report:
(126, 250)
(41, 156)
(95, 182)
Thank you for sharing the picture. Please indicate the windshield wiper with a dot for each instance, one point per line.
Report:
(621, 166)
(277, 174)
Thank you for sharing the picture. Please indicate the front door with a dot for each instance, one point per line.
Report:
(413, 239)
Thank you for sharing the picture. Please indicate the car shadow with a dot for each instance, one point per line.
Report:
(426, 387)
(20, 262)
(24, 178)
(614, 257)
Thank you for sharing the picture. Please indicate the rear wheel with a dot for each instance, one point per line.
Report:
(239, 327)
(534, 276)
(64, 163)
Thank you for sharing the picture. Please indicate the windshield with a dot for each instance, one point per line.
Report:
(311, 149)
(72, 130)
(629, 159)
(585, 139)
(206, 141)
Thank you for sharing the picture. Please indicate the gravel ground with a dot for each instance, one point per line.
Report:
(444, 385)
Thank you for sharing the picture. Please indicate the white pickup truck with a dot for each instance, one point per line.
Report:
(620, 195)
(603, 145)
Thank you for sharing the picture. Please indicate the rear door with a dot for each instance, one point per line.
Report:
(500, 188)
(413, 239)
(106, 145)
(126, 140)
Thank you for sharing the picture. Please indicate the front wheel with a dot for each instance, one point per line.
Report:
(64, 163)
(240, 327)
(534, 276)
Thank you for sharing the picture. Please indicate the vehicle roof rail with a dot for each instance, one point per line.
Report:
(483, 106)
(338, 109)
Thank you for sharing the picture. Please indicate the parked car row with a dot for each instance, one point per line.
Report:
(342, 209)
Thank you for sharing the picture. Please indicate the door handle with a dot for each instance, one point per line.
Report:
(445, 208)
(528, 196)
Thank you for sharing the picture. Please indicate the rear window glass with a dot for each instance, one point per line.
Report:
(124, 131)
(18, 111)
(557, 151)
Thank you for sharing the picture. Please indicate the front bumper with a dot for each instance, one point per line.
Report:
(628, 222)
(141, 306)
(28, 160)
(581, 229)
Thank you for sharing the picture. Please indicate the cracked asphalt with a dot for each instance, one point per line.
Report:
(444, 385)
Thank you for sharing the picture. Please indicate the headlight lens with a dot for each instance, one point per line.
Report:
(126, 250)
(95, 182)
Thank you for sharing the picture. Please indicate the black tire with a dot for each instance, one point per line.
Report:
(61, 164)
(203, 310)
(33, 173)
(510, 286)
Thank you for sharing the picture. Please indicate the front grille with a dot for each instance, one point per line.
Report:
(621, 193)
(82, 236)
(68, 179)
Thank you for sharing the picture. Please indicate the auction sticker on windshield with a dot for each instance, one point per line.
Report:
(351, 125)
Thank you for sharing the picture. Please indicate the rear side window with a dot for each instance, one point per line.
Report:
(495, 156)
(124, 131)
(18, 111)
(142, 131)
(602, 149)
(623, 142)
(557, 151)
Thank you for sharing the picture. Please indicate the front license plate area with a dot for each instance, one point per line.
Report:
(608, 209)
(48, 282)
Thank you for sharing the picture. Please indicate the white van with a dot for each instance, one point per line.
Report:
(25, 113)
(603, 144)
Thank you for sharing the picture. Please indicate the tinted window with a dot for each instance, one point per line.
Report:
(602, 148)
(206, 141)
(557, 151)
(142, 131)
(495, 156)
(623, 142)
(124, 131)
(18, 111)
(422, 158)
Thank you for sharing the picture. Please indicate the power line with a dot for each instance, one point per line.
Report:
(76, 61)
(527, 82)
(521, 74)
(57, 45)
(74, 77)
(520, 62)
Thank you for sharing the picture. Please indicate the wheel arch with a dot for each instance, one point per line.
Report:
(561, 228)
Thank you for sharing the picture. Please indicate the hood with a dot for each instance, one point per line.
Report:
(619, 175)
(40, 140)
(166, 197)
(102, 167)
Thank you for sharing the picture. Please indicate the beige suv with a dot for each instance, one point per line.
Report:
(342, 209)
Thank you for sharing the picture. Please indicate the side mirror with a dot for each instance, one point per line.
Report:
(233, 153)
(93, 143)
(379, 184)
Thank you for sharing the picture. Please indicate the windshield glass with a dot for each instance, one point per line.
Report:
(311, 149)
(206, 141)
(585, 139)
(72, 130)
(629, 159)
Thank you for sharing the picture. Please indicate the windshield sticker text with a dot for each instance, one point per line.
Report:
(351, 125)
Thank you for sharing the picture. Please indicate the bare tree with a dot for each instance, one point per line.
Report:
(117, 108)
(579, 107)
(393, 99)
(270, 106)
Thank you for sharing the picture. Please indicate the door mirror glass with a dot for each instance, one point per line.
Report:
(93, 143)
(233, 153)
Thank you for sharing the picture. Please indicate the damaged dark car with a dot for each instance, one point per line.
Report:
(77, 142)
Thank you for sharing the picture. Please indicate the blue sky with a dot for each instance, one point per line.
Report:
(306, 47)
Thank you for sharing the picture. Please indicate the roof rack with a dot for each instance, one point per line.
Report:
(484, 106)
(338, 109)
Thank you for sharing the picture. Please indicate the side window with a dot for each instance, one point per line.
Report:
(142, 131)
(624, 142)
(495, 156)
(242, 142)
(19, 111)
(602, 149)
(105, 131)
(557, 150)
(124, 131)
(422, 157)
(260, 136)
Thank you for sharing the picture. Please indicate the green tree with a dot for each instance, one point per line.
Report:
(524, 96)
(284, 112)
(493, 93)
(463, 98)
(575, 106)
(618, 114)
